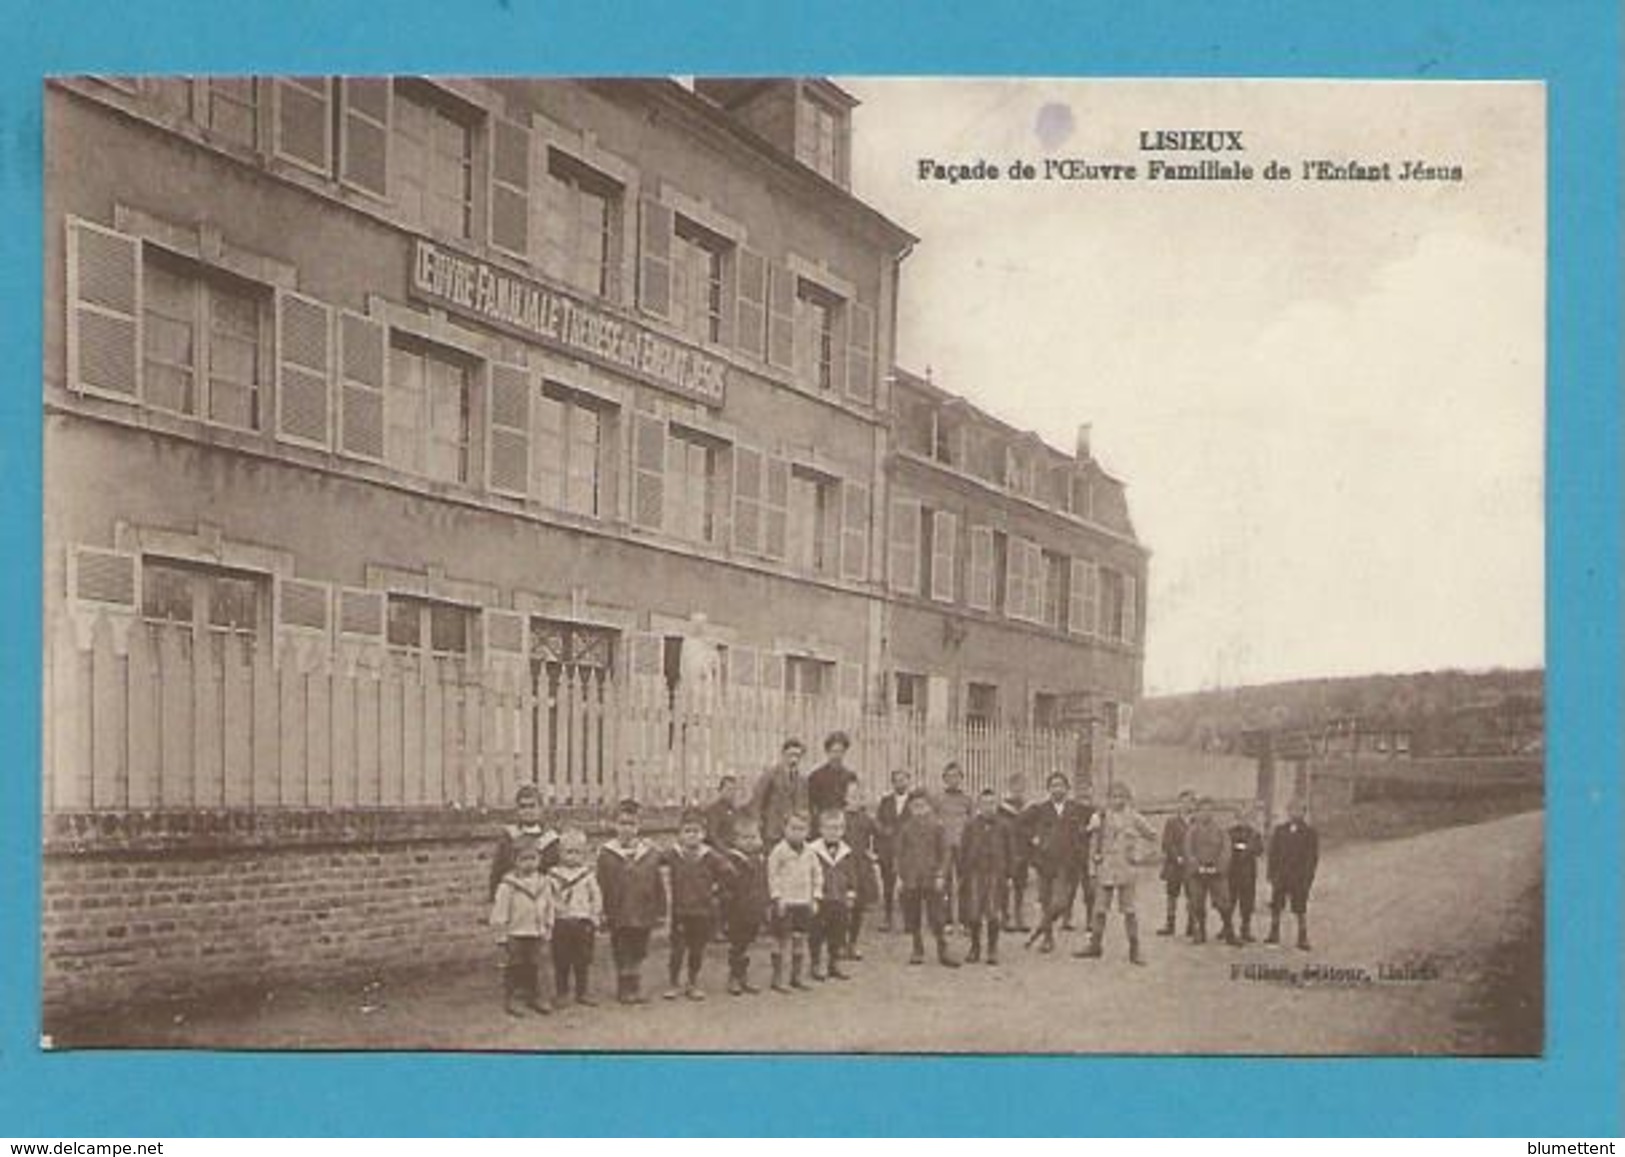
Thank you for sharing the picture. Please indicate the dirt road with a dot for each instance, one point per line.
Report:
(1443, 904)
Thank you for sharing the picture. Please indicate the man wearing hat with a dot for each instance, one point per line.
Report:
(826, 786)
(782, 789)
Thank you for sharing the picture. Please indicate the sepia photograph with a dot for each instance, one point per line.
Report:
(839, 565)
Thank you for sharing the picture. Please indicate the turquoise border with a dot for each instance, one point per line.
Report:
(1574, 45)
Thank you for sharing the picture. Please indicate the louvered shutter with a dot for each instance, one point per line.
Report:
(1035, 582)
(302, 605)
(363, 362)
(860, 352)
(645, 655)
(1016, 583)
(781, 317)
(776, 508)
(648, 471)
(854, 531)
(365, 106)
(750, 317)
(507, 459)
(104, 312)
(106, 578)
(654, 258)
(849, 687)
(1130, 609)
(944, 554)
(749, 480)
(1091, 598)
(360, 616)
(304, 369)
(980, 592)
(743, 665)
(510, 187)
(502, 635)
(304, 123)
(903, 574)
(1103, 628)
(1077, 594)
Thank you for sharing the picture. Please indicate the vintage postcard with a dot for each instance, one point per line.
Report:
(794, 564)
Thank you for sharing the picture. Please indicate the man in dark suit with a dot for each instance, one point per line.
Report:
(1059, 827)
(889, 817)
(782, 789)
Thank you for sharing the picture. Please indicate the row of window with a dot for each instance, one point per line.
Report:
(927, 430)
(1008, 575)
(151, 327)
(452, 169)
(217, 601)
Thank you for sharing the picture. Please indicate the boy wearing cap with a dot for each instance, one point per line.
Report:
(634, 900)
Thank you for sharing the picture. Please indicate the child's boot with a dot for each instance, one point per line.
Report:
(992, 941)
(975, 953)
(795, 969)
(1246, 927)
(1230, 936)
(778, 973)
(1275, 929)
(512, 1005)
(1131, 925)
(918, 955)
(815, 962)
(634, 990)
(1167, 928)
(1199, 929)
(1097, 933)
(1303, 932)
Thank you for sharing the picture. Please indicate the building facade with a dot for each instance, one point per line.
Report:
(1015, 580)
(407, 439)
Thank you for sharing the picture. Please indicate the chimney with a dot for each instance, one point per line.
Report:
(1084, 454)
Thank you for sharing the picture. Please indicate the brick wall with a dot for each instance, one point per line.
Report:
(151, 906)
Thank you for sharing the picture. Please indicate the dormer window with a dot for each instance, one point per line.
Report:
(821, 137)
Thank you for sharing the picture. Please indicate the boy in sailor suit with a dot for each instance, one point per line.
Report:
(839, 864)
(522, 913)
(794, 883)
(527, 828)
(578, 911)
(634, 900)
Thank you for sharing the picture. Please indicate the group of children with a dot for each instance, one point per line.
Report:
(947, 861)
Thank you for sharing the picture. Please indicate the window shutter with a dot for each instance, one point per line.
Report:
(1035, 582)
(1102, 628)
(303, 123)
(944, 554)
(1015, 578)
(364, 123)
(743, 665)
(776, 508)
(849, 685)
(507, 459)
(980, 592)
(904, 571)
(363, 361)
(860, 352)
(648, 471)
(302, 605)
(304, 369)
(854, 531)
(503, 635)
(552, 215)
(1130, 609)
(748, 485)
(1077, 587)
(645, 655)
(770, 671)
(360, 615)
(104, 312)
(654, 258)
(750, 316)
(510, 187)
(108, 578)
(781, 317)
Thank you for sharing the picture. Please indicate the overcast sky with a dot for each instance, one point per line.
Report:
(1326, 399)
